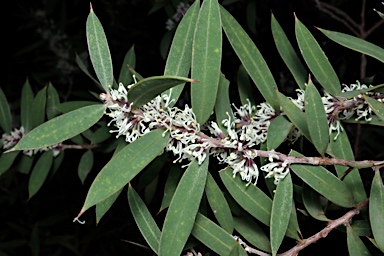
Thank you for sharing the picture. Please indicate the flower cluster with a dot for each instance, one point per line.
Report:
(233, 141)
(9, 140)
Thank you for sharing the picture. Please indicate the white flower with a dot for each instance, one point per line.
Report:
(277, 170)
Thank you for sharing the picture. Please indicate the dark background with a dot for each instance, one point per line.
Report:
(40, 40)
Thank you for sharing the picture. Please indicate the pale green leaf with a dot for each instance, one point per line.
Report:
(288, 54)
(99, 51)
(182, 211)
(356, 44)
(376, 210)
(278, 131)
(316, 60)
(40, 172)
(282, 202)
(148, 88)
(219, 204)
(356, 247)
(144, 219)
(61, 128)
(213, 236)
(206, 60)
(251, 58)
(180, 55)
(124, 166)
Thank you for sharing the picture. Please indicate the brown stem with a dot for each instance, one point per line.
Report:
(90, 146)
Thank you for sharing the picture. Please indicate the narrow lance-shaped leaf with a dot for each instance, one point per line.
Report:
(316, 59)
(252, 232)
(61, 128)
(99, 51)
(39, 107)
(6, 161)
(295, 115)
(288, 54)
(250, 57)
(182, 211)
(356, 247)
(278, 131)
(180, 54)
(211, 235)
(311, 200)
(148, 88)
(325, 183)
(354, 93)
(124, 166)
(244, 87)
(376, 210)
(316, 119)
(125, 76)
(170, 186)
(5, 113)
(251, 198)
(85, 165)
(341, 148)
(223, 104)
(376, 106)
(206, 60)
(144, 219)
(53, 101)
(355, 44)
(26, 106)
(282, 203)
(84, 68)
(40, 172)
(105, 205)
(219, 204)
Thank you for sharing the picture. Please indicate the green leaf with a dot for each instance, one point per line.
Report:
(252, 232)
(354, 93)
(170, 186)
(53, 101)
(376, 106)
(356, 247)
(251, 58)
(374, 121)
(5, 113)
(40, 172)
(38, 108)
(6, 161)
(206, 60)
(312, 203)
(223, 104)
(282, 203)
(278, 131)
(380, 13)
(26, 106)
(376, 210)
(69, 106)
(325, 183)
(85, 165)
(125, 76)
(101, 134)
(316, 60)
(99, 51)
(251, 198)
(182, 211)
(341, 148)
(288, 54)
(25, 163)
(355, 44)
(244, 87)
(180, 54)
(61, 128)
(85, 70)
(144, 219)
(124, 166)
(147, 89)
(316, 119)
(103, 206)
(213, 236)
(218, 204)
(295, 115)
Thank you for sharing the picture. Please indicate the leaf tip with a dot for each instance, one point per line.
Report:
(76, 219)
(90, 6)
